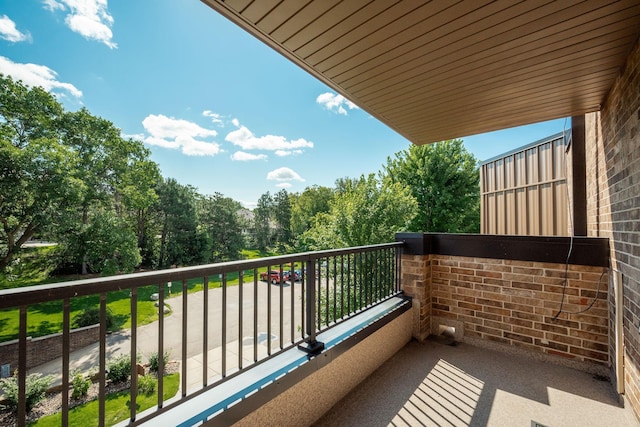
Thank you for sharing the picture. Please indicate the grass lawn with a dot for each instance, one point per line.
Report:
(116, 407)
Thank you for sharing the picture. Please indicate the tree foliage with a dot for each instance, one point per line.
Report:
(262, 222)
(306, 205)
(365, 211)
(218, 217)
(444, 179)
(282, 220)
(35, 170)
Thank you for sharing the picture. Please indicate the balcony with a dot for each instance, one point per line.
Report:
(527, 321)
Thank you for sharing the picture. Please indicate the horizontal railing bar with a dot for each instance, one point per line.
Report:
(10, 298)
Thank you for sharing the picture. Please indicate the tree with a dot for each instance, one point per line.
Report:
(305, 206)
(36, 184)
(138, 196)
(262, 222)
(116, 176)
(180, 241)
(218, 216)
(282, 219)
(444, 179)
(365, 211)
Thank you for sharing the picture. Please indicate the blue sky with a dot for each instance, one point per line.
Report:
(218, 109)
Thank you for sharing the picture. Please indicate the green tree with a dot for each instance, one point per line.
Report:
(218, 215)
(138, 196)
(306, 205)
(262, 222)
(444, 179)
(282, 219)
(117, 177)
(365, 211)
(36, 184)
(180, 241)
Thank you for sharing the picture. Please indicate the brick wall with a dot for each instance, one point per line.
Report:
(416, 283)
(44, 349)
(514, 303)
(613, 201)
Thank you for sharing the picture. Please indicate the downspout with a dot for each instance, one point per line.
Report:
(619, 303)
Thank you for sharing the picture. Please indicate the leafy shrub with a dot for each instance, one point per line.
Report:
(146, 384)
(119, 369)
(36, 389)
(91, 316)
(154, 361)
(80, 385)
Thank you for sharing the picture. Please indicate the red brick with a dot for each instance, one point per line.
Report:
(518, 307)
(528, 331)
(594, 355)
(485, 301)
(517, 337)
(484, 315)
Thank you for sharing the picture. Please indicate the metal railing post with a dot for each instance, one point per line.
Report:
(312, 346)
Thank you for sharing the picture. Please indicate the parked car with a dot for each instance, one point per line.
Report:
(273, 276)
(276, 276)
(297, 275)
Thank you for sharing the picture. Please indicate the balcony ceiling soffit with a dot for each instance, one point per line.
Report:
(443, 69)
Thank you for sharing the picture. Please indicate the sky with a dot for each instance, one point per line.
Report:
(217, 108)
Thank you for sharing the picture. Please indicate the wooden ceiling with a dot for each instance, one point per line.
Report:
(441, 69)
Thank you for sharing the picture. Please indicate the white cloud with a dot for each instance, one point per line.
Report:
(336, 103)
(8, 31)
(284, 185)
(52, 5)
(89, 18)
(284, 174)
(215, 117)
(284, 153)
(236, 122)
(37, 75)
(246, 140)
(181, 134)
(241, 156)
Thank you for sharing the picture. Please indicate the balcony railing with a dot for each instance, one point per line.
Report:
(236, 320)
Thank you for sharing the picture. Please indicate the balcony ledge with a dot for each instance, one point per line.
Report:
(252, 394)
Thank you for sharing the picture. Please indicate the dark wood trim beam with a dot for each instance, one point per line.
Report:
(578, 176)
(592, 251)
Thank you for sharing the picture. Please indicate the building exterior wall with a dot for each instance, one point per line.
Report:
(524, 192)
(613, 203)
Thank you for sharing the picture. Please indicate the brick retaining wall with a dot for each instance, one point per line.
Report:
(44, 349)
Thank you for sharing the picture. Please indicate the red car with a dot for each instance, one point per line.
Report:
(273, 276)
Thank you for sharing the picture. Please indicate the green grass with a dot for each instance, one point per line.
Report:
(116, 407)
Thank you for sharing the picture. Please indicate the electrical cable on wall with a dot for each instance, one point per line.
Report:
(565, 282)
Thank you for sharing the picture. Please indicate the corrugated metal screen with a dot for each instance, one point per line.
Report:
(524, 192)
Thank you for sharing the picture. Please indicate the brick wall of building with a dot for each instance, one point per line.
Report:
(613, 201)
(514, 303)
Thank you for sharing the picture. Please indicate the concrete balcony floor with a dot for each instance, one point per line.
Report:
(434, 384)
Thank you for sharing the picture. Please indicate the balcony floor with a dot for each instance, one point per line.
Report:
(435, 384)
